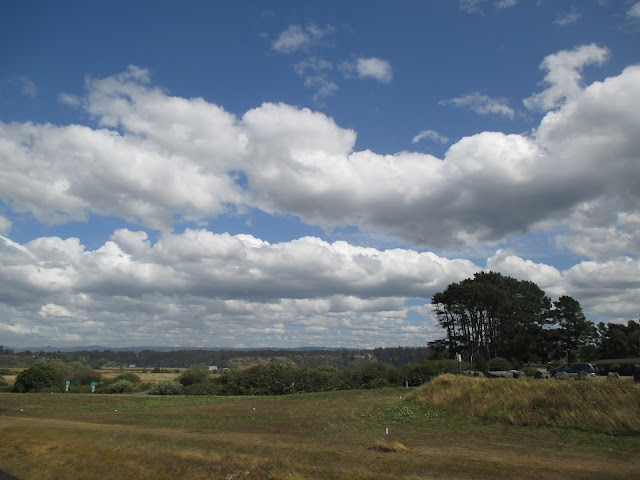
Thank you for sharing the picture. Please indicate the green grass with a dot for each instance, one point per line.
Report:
(309, 436)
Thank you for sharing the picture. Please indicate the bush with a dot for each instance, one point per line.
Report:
(499, 363)
(480, 363)
(78, 373)
(166, 387)
(120, 386)
(192, 376)
(206, 388)
(37, 377)
(129, 376)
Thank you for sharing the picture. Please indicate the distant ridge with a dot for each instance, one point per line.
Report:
(138, 349)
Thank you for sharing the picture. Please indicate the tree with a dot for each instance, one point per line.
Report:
(37, 377)
(574, 330)
(493, 315)
(618, 340)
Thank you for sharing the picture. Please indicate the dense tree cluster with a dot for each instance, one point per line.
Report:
(493, 315)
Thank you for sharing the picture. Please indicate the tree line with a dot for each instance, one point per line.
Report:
(492, 315)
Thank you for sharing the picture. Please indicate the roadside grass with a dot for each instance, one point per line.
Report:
(304, 436)
(610, 407)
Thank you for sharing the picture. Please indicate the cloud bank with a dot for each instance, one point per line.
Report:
(157, 159)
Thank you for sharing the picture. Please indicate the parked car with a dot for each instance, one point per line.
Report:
(573, 369)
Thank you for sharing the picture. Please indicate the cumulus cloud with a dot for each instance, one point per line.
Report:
(430, 135)
(564, 75)
(482, 104)
(157, 158)
(215, 283)
(372, 67)
(201, 288)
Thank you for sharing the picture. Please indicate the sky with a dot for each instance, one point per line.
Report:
(291, 174)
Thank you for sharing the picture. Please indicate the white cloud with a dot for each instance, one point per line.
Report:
(564, 75)
(128, 291)
(5, 225)
(634, 11)
(473, 6)
(430, 135)
(314, 71)
(372, 67)
(292, 39)
(506, 3)
(568, 18)
(602, 229)
(27, 87)
(158, 158)
(295, 37)
(482, 104)
(198, 288)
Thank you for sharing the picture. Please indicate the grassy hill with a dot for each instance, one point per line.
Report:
(599, 405)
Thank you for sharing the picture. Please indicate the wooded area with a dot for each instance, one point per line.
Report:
(492, 315)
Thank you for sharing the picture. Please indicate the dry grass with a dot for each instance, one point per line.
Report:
(386, 446)
(244, 363)
(311, 436)
(146, 375)
(611, 407)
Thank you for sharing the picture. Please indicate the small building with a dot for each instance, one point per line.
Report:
(213, 368)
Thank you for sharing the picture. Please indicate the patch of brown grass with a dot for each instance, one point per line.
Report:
(310, 436)
(601, 406)
(386, 446)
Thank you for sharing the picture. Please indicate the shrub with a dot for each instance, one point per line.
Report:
(37, 377)
(120, 386)
(191, 376)
(480, 363)
(166, 387)
(499, 363)
(129, 376)
(205, 388)
(78, 373)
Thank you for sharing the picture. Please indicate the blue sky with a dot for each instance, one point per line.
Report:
(310, 173)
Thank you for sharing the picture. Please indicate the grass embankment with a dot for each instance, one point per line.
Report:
(599, 405)
(336, 435)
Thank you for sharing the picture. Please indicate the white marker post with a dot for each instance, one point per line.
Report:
(66, 386)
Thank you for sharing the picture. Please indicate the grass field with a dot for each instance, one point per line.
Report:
(337, 435)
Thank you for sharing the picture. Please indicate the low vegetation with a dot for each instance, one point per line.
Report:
(330, 435)
(610, 407)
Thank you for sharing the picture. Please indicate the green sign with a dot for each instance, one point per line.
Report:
(68, 382)
(94, 384)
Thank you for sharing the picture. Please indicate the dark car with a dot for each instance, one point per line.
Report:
(573, 369)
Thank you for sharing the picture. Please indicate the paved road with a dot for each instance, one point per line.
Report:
(6, 476)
